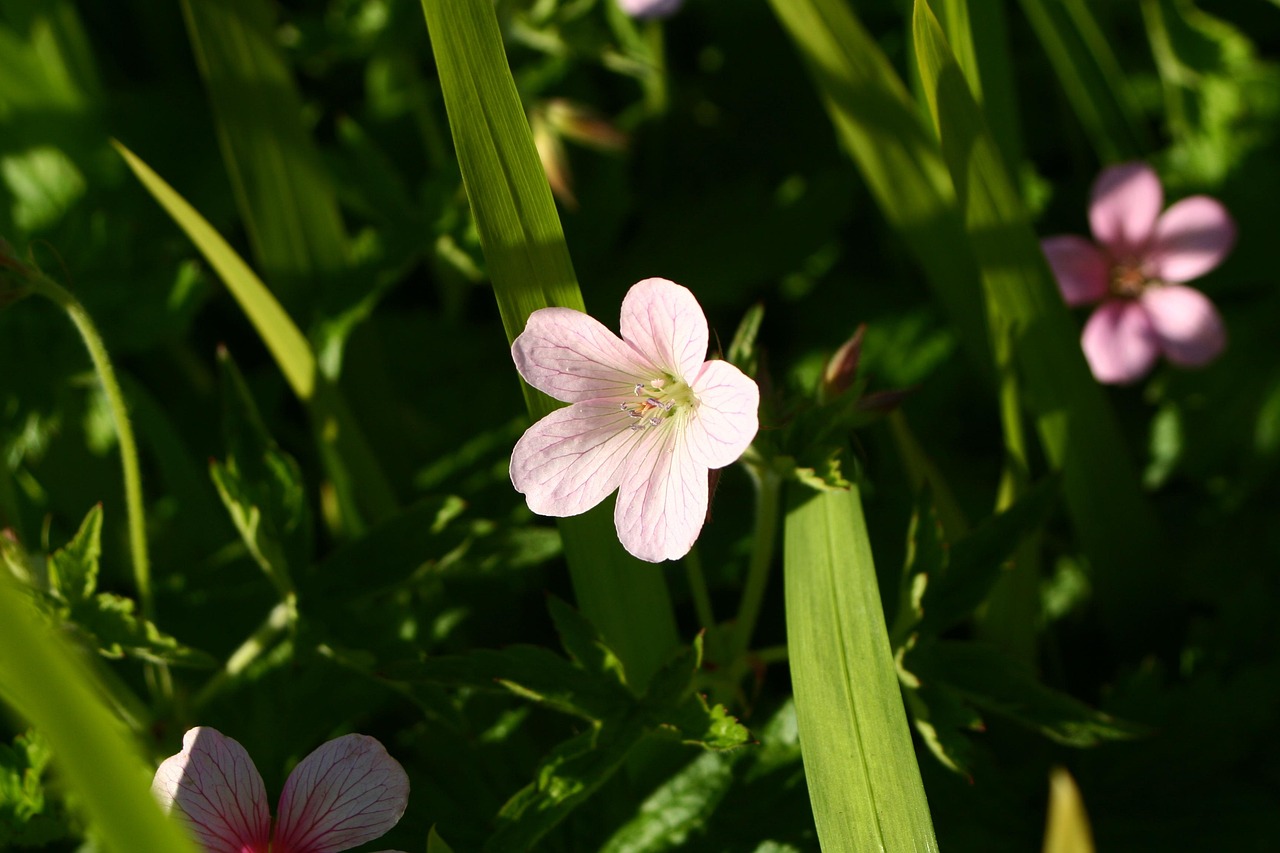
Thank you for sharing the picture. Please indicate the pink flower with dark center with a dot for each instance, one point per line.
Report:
(347, 792)
(650, 8)
(650, 417)
(1136, 270)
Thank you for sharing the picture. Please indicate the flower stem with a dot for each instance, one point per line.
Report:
(698, 588)
(134, 508)
(281, 619)
(768, 483)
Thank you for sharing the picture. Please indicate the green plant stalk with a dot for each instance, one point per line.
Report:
(135, 509)
(282, 618)
(698, 588)
(529, 265)
(768, 483)
(41, 678)
(860, 765)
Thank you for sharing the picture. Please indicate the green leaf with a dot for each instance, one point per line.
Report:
(41, 678)
(742, 349)
(860, 764)
(989, 680)
(118, 631)
(530, 268)
(436, 844)
(673, 704)
(941, 718)
(1077, 426)
(28, 817)
(680, 808)
(73, 568)
(1067, 828)
(583, 643)
(880, 127)
(281, 187)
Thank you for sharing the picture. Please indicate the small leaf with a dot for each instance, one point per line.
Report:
(436, 844)
(73, 569)
(940, 717)
(825, 477)
(583, 643)
(118, 631)
(742, 350)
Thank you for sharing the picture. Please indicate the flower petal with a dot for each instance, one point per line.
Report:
(1187, 325)
(217, 790)
(573, 357)
(726, 420)
(662, 501)
(664, 321)
(1192, 237)
(1126, 201)
(1080, 268)
(573, 458)
(347, 792)
(650, 8)
(1119, 342)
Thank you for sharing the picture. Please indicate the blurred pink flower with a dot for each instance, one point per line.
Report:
(649, 417)
(346, 792)
(650, 8)
(1136, 270)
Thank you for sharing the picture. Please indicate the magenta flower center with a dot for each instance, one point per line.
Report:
(657, 400)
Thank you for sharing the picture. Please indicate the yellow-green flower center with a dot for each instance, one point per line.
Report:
(657, 400)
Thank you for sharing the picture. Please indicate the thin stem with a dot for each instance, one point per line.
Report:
(134, 507)
(655, 82)
(281, 619)
(698, 588)
(768, 484)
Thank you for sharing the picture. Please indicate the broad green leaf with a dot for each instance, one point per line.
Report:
(879, 125)
(1094, 82)
(436, 844)
(1077, 427)
(860, 764)
(281, 187)
(530, 268)
(346, 455)
(73, 568)
(1067, 830)
(678, 809)
(583, 645)
(41, 679)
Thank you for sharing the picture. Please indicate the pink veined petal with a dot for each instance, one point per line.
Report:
(1125, 203)
(346, 792)
(726, 420)
(1080, 268)
(1191, 238)
(573, 458)
(662, 502)
(573, 357)
(650, 8)
(218, 791)
(1187, 325)
(1119, 343)
(664, 321)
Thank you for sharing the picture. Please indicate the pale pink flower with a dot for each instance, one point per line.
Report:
(1136, 270)
(649, 417)
(347, 792)
(650, 8)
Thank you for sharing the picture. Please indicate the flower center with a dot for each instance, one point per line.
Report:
(658, 399)
(1128, 280)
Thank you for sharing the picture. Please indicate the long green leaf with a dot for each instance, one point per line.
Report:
(288, 204)
(347, 456)
(1077, 427)
(529, 263)
(880, 126)
(42, 680)
(860, 765)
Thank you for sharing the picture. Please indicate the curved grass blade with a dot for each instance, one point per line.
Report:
(284, 195)
(348, 459)
(529, 264)
(42, 680)
(860, 764)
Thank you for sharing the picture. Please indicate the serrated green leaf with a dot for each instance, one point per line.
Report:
(118, 631)
(256, 526)
(28, 817)
(572, 772)
(73, 568)
(697, 723)
(860, 764)
(940, 717)
(679, 809)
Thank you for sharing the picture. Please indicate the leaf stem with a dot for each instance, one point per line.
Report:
(698, 588)
(768, 483)
(134, 507)
(281, 619)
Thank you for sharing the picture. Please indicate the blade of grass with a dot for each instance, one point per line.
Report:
(860, 765)
(41, 678)
(529, 264)
(1091, 77)
(1077, 427)
(880, 126)
(347, 456)
(283, 193)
